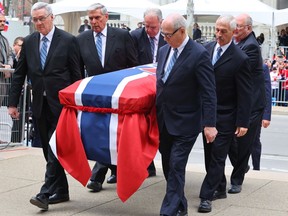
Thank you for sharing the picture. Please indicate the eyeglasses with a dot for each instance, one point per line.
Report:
(241, 26)
(169, 35)
(41, 19)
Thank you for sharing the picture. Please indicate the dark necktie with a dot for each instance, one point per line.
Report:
(99, 45)
(217, 56)
(170, 65)
(152, 44)
(43, 52)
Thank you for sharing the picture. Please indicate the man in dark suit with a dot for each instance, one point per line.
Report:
(185, 103)
(240, 151)
(115, 52)
(147, 41)
(234, 99)
(50, 58)
(84, 27)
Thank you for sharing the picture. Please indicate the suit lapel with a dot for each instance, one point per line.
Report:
(92, 48)
(112, 39)
(227, 55)
(183, 55)
(35, 49)
(54, 43)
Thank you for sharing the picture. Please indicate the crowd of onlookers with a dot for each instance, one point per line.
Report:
(279, 80)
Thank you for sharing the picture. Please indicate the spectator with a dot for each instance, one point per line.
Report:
(104, 49)
(6, 62)
(139, 25)
(185, 93)
(275, 77)
(16, 133)
(84, 27)
(50, 58)
(197, 33)
(283, 39)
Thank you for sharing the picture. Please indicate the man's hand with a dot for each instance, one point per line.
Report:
(241, 131)
(13, 112)
(210, 134)
(265, 123)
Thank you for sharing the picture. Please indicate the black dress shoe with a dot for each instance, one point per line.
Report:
(235, 189)
(112, 179)
(94, 186)
(58, 198)
(182, 213)
(205, 206)
(219, 195)
(41, 201)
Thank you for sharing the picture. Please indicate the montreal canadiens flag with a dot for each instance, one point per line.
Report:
(109, 118)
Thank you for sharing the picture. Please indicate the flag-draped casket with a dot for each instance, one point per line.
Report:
(109, 118)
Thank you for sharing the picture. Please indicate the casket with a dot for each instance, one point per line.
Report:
(110, 118)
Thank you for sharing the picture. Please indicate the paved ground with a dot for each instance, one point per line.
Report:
(22, 171)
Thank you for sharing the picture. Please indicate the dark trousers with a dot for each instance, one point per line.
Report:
(241, 149)
(55, 177)
(174, 151)
(99, 171)
(257, 149)
(215, 157)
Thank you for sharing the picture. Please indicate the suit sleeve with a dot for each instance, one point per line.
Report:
(243, 80)
(267, 110)
(74, 61)
(205, 75)
(19, 76)
(131, 52)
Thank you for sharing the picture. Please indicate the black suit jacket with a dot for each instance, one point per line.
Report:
(187, 100)
(120, 52)
(61, 69)
(233, 86)
(252, 49)
(82, 28)
(142, 45)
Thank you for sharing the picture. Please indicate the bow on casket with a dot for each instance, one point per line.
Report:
(109, 118)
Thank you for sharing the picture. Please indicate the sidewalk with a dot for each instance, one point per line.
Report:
(22, 171)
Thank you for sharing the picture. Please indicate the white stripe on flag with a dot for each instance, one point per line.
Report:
(114, 117)
(79, 91)
(52, 143)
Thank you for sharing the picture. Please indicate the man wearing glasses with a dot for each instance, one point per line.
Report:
(240, 150)
(185, 103)
(147, 42)
(50, 58)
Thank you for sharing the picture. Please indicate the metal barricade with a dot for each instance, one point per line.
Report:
(12, 131)
(280, 94)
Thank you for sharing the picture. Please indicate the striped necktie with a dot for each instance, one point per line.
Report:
(217, 56)
(43, 52)
(170, 65)
(152, 44)
(99, 45)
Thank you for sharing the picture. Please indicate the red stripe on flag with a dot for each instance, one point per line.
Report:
(70, 150)
(137, 136)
